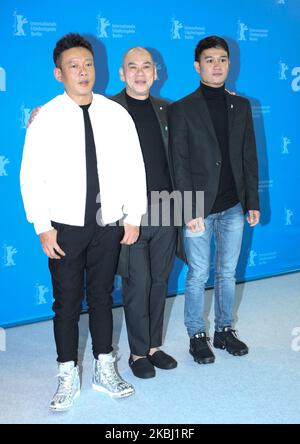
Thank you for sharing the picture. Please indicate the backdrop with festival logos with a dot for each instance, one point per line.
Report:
(265, 67)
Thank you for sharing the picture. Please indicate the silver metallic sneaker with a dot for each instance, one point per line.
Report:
(68, 387)
(106, 378)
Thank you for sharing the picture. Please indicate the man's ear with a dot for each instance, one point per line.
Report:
(155, 72)
(121, 73)
(197, 67)
(58, 74)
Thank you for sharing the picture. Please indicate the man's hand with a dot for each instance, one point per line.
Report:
(196, 225)
(253, 217)
(32, 116)
(131, 234)
(50, 245)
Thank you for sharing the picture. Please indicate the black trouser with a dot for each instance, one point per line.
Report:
(91, 260)
(145, 290)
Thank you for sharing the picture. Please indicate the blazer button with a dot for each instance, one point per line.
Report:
(218, 163)
(166, 128)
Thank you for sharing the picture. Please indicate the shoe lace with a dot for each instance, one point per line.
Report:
(110, 374)
(65, 383)
(202, 342)
(232, 332)
(232, 336)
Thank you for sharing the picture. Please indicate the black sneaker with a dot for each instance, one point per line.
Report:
(200, 349)
(227, 340)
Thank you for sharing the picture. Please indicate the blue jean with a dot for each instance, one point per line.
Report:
(227, 228)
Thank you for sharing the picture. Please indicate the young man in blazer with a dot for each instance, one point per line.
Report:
(213, 150)
(146, 265)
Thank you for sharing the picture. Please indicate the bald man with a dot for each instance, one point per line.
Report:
(146, 265)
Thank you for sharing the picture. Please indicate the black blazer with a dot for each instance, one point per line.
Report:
(160, 108)
(196, 156)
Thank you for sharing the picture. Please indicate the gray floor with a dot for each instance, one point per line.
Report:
(262, 387)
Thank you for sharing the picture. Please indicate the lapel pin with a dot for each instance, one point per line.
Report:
(231, 106)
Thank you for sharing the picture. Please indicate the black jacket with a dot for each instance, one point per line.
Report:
(196, 156)
(160, 108)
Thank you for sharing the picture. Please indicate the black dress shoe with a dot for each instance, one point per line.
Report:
(142, 368)
(161, 360)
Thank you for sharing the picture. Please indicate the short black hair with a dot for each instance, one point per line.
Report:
(68, 41)
(212, 41)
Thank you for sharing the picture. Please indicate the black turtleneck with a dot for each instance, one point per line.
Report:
(217, 107)
(151, 141)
